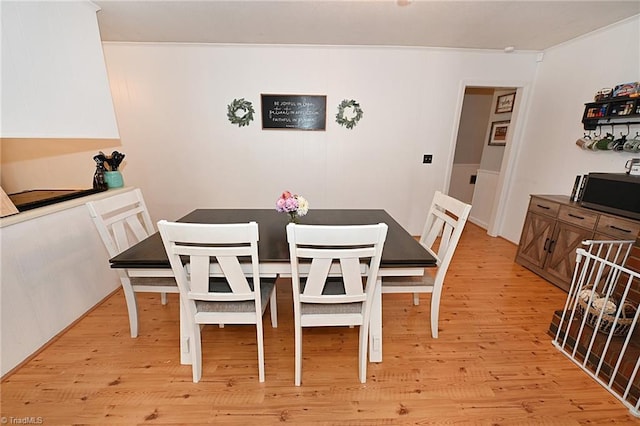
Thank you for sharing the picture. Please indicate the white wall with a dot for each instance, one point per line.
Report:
(476, 109)
(171, 102)
(570, 74)
(492, 154)
(483, 198)
(487, 183)
(470, 142)
(460, 185)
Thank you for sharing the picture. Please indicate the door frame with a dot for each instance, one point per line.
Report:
(512, 149)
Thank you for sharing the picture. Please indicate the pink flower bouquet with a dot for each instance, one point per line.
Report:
(293, 204)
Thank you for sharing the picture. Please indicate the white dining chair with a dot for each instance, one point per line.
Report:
(216, 287)
(328, 265)
(123, 220)
(443, 227)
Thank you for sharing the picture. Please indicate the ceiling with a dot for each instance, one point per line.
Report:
(479, 24)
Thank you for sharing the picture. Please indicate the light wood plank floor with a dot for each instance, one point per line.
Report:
(492, 364)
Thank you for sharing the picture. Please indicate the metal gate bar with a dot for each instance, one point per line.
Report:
(593, 325)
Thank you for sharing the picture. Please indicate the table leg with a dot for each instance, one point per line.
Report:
(375, 325)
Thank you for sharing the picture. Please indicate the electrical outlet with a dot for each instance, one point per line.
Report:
(427, 158)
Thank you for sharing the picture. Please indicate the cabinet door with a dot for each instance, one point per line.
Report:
(535, 239)
(562, 251)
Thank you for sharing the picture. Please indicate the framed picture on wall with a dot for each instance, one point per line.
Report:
(505, 103)
(498, 135)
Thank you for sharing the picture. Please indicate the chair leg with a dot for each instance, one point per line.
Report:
(362, 352)
(163, 298)
(260, 350)
(196, 352)
(435, 310)
(273, 308)
(298, 353)
(132, 308)
(185, 335)
(374, 325)
(416, 299)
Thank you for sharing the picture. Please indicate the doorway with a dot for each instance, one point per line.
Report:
(484, 132)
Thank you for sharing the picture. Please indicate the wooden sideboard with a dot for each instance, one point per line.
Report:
(555, 227)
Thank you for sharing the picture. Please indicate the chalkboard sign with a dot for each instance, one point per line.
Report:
(301, 112)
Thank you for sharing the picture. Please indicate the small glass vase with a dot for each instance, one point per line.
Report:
(293, 217)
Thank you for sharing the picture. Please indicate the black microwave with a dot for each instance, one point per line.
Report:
(617, 193)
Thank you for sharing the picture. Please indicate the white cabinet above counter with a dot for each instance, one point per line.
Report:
(54, 80)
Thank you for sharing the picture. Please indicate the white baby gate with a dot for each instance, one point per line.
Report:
(594, 331)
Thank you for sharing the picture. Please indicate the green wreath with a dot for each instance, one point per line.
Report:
(349, 123)
(237, 105)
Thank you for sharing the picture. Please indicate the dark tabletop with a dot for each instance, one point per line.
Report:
(400, 248)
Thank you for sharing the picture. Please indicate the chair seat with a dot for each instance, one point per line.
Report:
(330, 308)
(219, 285)
(425, 281)
(154, 282)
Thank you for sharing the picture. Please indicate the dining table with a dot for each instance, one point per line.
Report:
(402, 254)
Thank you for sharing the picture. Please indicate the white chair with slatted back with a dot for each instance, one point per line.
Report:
(215, 286)
(123, 220)
(330, 291)
(446, 219)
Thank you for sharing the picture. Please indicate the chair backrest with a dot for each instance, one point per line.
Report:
(122, 220)
(198, 251)
(349, 252)
(446, 219)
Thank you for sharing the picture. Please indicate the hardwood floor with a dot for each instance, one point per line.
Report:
(492, 364)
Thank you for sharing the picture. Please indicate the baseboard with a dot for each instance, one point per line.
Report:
(482, 224)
